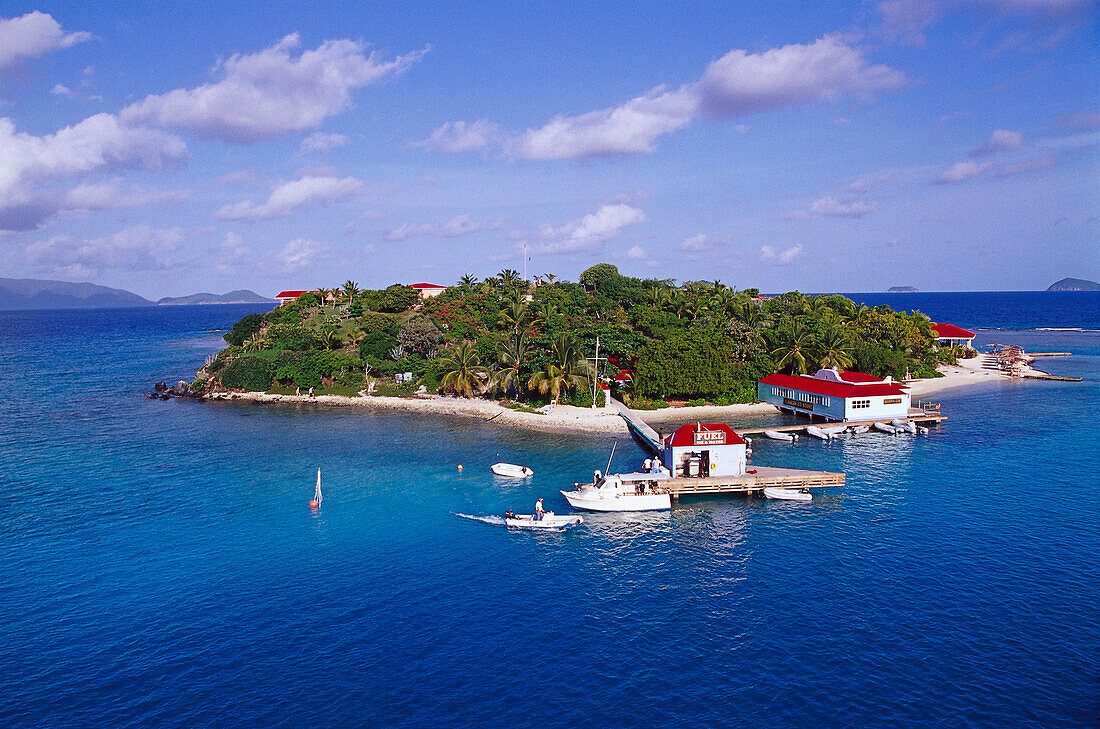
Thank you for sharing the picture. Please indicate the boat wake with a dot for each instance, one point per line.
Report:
(497, 520)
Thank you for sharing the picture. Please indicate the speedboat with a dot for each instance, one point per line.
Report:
(549, 520)
(886, 428)
(785, 494)
(511, 470)
(622, 492)
(780, 435)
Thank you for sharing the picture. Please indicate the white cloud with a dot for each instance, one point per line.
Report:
(736, 84)
(457, 226)
(590, 231)
(110, 195)
(320, 142)
(1086, 120)
(904, 21)
(408, 230)
(460, 225)
(455, 137)
(825, 70)
(865, 183)
(700, 242)
(830, 207)
(1002, 140)
(97, 144)
(232, 256)
(637, 253)
(270, 92)
(289, 196)
(31, 35)
(62, 90)
(1022, 168)
(769, 253)
(300, 253)
(137, 248)
(962, 171)
(626, 129)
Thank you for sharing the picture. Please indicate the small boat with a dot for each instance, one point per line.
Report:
(785, 494)
(510, 470)
(886, 428)
(780, 435)
(315, 502)
(904, 425)
(622, 492)
(549, 520)
(860, 429)
(819, 432)
(922, 429)
(835, 430)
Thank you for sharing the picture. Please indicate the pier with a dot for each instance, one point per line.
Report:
(640, 429)
(757, 479)
(922, 417)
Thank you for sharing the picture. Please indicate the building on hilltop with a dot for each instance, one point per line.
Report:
(951, 335)
(428, 291)
(834, 395)
(285, 297)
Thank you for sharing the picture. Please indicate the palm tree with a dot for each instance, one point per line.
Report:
(835, 348)
(567, 370)
(513, 357)
(463, 373)
(351, 289)
(331, 338)
(509, 278)
(792, 354)
(255, 342)
(514, 314)
(467, 282)
(544, 312)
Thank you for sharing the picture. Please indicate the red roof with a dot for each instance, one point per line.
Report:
(685, 436)
(289, 294)
(833, 389)
(950, 331)
(426, 286)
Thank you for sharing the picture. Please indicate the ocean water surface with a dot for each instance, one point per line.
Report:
(163, 568)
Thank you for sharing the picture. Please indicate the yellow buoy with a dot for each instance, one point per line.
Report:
(460, 467)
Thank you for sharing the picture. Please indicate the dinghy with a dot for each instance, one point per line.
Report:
(818, 432)
(780, 435)
(860, 429)
(886, 428)
(510, 470)
(775, 492)
(905, 425)
(835, 430)
(315, 502)
(549, 520)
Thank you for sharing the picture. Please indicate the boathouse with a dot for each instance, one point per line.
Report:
(428, 291)
(705, 449)
(834, 395)
(951, 335)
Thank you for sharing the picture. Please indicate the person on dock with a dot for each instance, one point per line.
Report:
(647, 465)
(539, 511)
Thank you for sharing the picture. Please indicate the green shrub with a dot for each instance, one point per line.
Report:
(696, 403)
(294, 337)
(248, 373)
(376, 345)
(243, 330)
(307, 369)
(199, 384)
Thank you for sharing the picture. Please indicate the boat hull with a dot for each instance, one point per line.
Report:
(779, 435)
(618, 502)
(781, 494)
(510, 470)
(548, 521)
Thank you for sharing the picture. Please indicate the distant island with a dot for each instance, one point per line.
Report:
(1074, 284)
(29, 294)
(241, 296)
(902, 290)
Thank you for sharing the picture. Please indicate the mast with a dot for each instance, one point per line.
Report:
(525, 261)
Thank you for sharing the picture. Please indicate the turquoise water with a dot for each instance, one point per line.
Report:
(163, 567)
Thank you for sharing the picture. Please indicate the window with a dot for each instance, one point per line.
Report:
(857, 404)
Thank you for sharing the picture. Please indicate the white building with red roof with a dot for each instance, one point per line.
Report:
(834, 395)
(427, 290)
(950, 335)
(705, 449)
(285, 297)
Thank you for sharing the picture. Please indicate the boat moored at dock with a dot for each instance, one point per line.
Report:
(787, 494)
(622, 492)
(777, 435)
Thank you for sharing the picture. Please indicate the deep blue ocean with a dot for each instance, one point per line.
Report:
(162, 568)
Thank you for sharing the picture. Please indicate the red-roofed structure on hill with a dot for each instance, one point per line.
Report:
(427, 290)
(705, 449)
(285, 297)
(833, 395)
(952, 335)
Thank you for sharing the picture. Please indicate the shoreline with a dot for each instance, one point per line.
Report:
(569, 418)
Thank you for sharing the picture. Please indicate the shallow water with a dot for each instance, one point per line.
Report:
(164, 568)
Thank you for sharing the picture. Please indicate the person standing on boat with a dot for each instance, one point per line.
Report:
(647, 465)
(539, 511)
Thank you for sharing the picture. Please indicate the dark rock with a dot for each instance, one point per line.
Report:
(160, 387)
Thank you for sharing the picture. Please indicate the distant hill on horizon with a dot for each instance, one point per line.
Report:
(24, 294)
(1074, 284)
(240, 296)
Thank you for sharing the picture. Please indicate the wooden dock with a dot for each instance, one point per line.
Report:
(757, 479)
(923, 419)
(641, 430)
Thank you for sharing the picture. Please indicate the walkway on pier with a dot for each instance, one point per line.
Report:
(646, 435)
(756, 479)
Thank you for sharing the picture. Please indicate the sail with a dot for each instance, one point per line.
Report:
(317, 491)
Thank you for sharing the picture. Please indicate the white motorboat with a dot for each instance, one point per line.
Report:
(905, 425)
(780, 435)
(511, 470)
(860, 429)
(549, 520)
(784, 494)
(818, 432)
(886, 428)
(622, 492)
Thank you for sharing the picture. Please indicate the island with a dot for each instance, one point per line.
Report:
(25, 294)
(902, 290)
(1074, 284)
(241, 296)
(529, 346)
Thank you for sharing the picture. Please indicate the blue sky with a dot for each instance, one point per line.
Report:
(167, 149)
